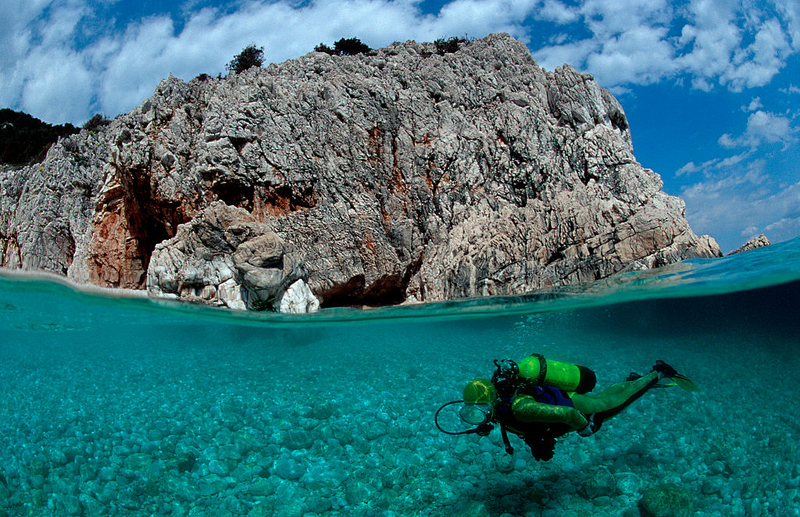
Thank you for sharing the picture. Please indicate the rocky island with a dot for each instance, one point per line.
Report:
(402, 175)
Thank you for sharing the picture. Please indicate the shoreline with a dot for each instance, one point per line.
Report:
(114, 292)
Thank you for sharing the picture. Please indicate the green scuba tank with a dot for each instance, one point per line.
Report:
(568, 377)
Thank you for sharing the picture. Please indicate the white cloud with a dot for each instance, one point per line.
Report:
(628, 42)
(754, 105)
(783, 229)
(743, 198)
(58, 85)
(762, 127)
(717, 47)
(39, 71)
(637, 56)
(689, 168)
(119, 70)
(790, 14)
(756, 64)
(722, 42)
(16, 33)
(710, 167)
(555, 11)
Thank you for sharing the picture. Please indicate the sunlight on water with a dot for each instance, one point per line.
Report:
(128, 406)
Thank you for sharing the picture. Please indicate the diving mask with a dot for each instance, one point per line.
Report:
(476, 414)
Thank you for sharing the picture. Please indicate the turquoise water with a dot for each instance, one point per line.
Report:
(127, 406)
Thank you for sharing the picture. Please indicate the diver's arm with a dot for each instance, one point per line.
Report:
(526, 409)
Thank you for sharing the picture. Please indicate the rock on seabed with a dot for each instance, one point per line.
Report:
(668, 500)
(399, 175)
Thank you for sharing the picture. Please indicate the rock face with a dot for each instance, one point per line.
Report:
(403, 175)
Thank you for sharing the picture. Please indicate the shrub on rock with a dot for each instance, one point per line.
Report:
(249, 57)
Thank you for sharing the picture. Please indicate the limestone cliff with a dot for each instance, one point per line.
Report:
(403, 175)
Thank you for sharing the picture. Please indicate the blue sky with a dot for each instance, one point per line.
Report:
(711, 87)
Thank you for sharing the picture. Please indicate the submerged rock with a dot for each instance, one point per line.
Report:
(262, 488)
(399, 175)
(667, 500)
(601, 483)
(473, 509)
(289, 469)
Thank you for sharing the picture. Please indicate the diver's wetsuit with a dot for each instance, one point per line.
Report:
(539, 416)
(518, 398)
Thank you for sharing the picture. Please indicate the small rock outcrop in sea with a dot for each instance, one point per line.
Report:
(401, 175)
(754, 243)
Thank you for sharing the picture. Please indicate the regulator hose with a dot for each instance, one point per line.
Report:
(482, 430)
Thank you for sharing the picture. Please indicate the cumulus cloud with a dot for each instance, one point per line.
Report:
(742, 203)
(729, 43)
(754, 191)
(622, 42)
(35, 36)
(116, 71)
(710, 167)
(762, 127)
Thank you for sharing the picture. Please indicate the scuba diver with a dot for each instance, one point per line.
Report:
(540, 400)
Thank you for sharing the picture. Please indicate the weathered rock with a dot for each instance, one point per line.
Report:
(754, 243)
(402, 175)
(225, 257)
(298, 299)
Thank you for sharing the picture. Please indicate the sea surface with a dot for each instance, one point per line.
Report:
(128, 406)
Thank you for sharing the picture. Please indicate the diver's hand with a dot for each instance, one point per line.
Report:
(591, 427)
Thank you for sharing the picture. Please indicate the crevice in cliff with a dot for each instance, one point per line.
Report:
(234, 193)
(148, 224)
(70, 251)
(618, 120)
(385, 291)
(284, 199)
(10, 245)
(131, 224)
(388, 290)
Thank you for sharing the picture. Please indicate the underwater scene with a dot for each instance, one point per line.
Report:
(130, 406)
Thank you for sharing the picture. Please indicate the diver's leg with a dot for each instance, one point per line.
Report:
(615, 397)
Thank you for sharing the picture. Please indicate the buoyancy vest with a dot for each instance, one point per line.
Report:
(540, 436)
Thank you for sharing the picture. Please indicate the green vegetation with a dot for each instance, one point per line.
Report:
(25, 139)
(96, 122)
(450, 45)
(344, 47)
(249, 57)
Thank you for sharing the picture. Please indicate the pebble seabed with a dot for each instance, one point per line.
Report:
(309, 430)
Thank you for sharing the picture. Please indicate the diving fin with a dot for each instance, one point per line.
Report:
(669, 372)
(684, 382)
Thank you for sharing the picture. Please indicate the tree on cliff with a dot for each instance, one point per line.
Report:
(25, 139)
(344, 47)
(249, 57)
